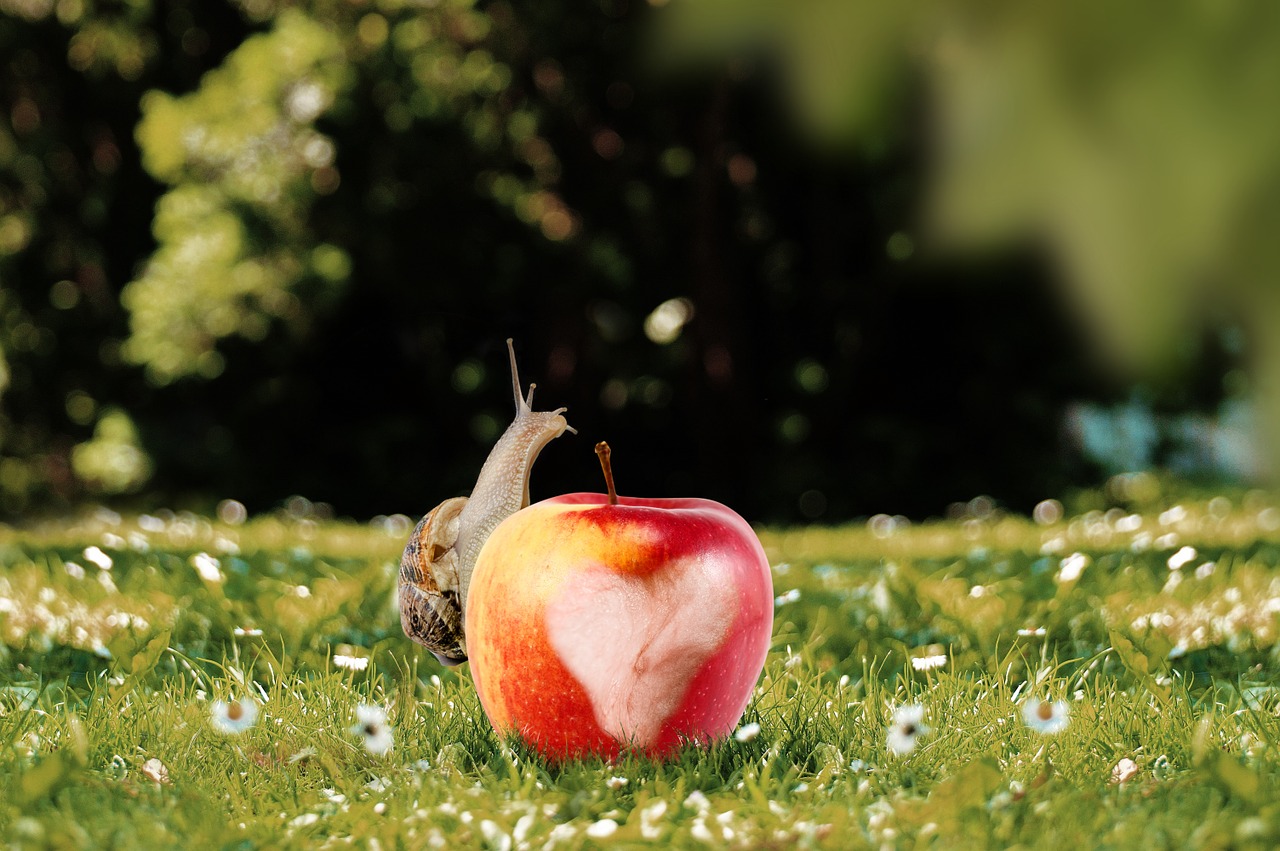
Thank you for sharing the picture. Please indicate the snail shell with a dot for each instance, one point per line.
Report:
(430, 611)
(435, 570)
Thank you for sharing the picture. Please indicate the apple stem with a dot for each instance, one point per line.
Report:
(603, 450)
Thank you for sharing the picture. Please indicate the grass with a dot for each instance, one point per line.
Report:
(107, 678)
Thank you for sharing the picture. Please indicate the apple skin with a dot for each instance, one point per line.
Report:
(592, 627)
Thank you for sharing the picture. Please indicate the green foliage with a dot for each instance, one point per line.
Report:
(112, 462)
(269, 123)
(236, 245)
(246, 163)
(1142, 153)
(116, 744)
(844, 63)
(61, 164)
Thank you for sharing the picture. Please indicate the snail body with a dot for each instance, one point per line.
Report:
(438, 560)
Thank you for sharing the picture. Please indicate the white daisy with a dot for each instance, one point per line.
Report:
(98, 557)
(155, 771)
(1045, 717)
(906, 728)
(209, 568)
(651, 819)
(747, 732)
(371, 724)
(698, 800)
(233, 716)
(1124, 771)
(351, 663)
(928, 663)
(790, 597)
(494, 837)
(1072, 566)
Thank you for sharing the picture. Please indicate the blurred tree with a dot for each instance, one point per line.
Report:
(296, 275)
(245, 164)
(68, 97)
(1141, 150)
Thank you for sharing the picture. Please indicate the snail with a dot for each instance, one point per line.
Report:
(435, 570)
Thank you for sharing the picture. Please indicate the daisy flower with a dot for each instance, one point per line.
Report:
(233, 716)
(747, 732)
(101, 559)
(371, 724)
(351, 663)
(698, 800)
(790, 597)
(928, 663)
(1125, 770)
(1177, 561)
(651, 819)
(207, 566)
(155, 771)
(1072, 566)
(907, 726)
(1045, 717)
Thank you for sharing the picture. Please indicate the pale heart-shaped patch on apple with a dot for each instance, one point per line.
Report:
(635, 642)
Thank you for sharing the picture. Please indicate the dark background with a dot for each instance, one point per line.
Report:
(834, 365)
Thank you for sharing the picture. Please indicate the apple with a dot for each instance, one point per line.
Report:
(597, 623)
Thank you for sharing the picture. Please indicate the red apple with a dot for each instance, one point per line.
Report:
(594, 626)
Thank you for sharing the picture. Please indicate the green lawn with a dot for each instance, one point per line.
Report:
(1158, 632)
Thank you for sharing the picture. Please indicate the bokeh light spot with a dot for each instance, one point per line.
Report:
(613, 394)
(325, 180)
(232, 512)
(372, 30)
(331, 262)
(664, 324)
(794, 428)
(80, 407)
(652, 391)
(25, 116)
(811, 376)
(1047, 512)
(549, 78)
(15, 233)
(677, 161)
(900, 247)
(64, 295)
(742, 169)
(485, 428)
(468, 376)
(607, 143)
(210, 364)
(558, 225)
